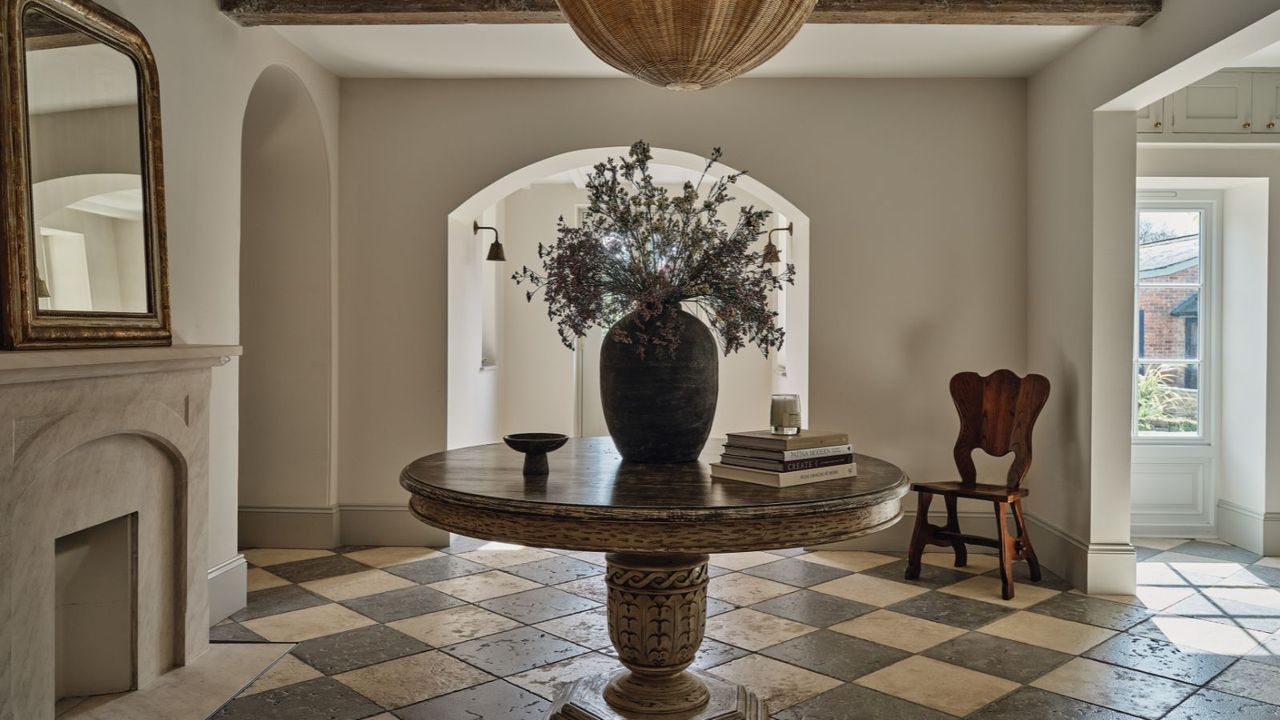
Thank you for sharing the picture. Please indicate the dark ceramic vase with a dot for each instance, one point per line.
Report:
(659, 406)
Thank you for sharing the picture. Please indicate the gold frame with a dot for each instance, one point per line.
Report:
(24, 327)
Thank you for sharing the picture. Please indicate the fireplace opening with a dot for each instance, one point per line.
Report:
(95, 600)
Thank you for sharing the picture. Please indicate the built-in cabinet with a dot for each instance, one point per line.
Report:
(1232, 102)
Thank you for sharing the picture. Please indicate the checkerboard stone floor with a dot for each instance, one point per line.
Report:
(486, 630)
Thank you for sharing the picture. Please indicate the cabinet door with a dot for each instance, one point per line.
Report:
(1151, 117)
(1220, 103)
(1266, 102)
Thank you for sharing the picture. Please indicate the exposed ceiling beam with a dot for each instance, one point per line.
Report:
(909, 12)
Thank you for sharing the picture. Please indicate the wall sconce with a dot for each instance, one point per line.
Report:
(496, 253)
(771, 255)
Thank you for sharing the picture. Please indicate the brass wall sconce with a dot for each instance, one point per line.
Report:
(771, 254)
(496, 253)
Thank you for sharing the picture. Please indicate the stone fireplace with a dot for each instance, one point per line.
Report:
(103, 516)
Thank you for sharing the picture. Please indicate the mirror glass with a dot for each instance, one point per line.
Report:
(88, 214)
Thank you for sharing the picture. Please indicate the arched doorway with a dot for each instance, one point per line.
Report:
(286, 315)
(508, 371)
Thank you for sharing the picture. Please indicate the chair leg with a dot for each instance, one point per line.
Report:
(1027, 552)
(919, 536)
(1006, 550)
(953, 524)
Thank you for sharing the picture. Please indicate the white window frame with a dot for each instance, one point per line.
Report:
(1209, 203)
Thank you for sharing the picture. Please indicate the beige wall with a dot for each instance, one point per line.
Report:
(1080, 260)
(916, 225)
(207, 68)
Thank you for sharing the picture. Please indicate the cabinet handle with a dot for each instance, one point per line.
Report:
(1248, 125)
(1159, 124)
(1271, 126)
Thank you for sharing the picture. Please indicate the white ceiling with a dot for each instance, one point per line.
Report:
(872, 51)
(79, 77)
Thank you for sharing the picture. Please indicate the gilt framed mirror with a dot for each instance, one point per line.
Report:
(83, 199)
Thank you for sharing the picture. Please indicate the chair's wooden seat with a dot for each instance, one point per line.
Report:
(994, 493)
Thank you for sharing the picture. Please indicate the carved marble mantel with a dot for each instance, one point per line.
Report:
(87, 436)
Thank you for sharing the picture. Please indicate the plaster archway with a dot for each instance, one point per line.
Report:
(287, 377)
(474, 388)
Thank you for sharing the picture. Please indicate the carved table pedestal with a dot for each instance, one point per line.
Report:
(658, 524)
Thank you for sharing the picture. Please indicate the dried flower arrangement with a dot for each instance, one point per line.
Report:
(642, 251)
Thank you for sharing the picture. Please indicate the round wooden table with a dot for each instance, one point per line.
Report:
(657, 524)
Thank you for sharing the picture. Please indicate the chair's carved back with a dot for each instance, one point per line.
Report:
(997, 414)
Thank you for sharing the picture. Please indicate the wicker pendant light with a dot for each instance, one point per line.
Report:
(686, 44)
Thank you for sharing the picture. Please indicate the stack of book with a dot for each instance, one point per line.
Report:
(763, 458)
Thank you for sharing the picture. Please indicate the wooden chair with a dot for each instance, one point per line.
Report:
(997, 414)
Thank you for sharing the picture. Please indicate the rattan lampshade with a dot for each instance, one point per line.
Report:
(686, 44)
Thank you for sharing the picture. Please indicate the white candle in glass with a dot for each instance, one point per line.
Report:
(784, 415)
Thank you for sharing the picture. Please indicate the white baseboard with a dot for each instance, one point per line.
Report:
(227, 589)
(1250, 529)
(330, 527)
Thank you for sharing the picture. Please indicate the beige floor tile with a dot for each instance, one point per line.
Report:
(592, 588)
(388, 556)
(1158, 543)
(742, 561)
(266, 557)
(941, 686)
(977, 563)
(286, 671)
(588, 629)
(1153, 598)
(1252, 680)
(742, 589)
(1049, 632)
(1209, 636)
(779, 684)
(354, 585)
(260, 579)
(851, 560)
(987, 589)
(455, 625)
(1269, 562)
(869, 590)
(1115, 687)
(595, 558)
(305, 624)
(483, 586)
(1266, 597)
(897, 630)
(546, 680)
(1199, 569)
(412, 679)
(501, 555)
(1158, 573)
(754, 630)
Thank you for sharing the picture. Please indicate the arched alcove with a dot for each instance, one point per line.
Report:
(286, 298)
(549, 387)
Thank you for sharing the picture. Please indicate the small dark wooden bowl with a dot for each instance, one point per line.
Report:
(535, 447)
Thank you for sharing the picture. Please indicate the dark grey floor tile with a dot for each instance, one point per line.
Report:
(1022, 574)
(931, 576)
(436, 569)
(854, 701)
(1268, 653)
(497, 699)
(1265, 573)
(274, 601)
(1034, 704)
(318, 568)
(1211, 704)
(713, 653)
(1092, 611)
(322, 698)
(1144, 553)
(1226, 553)
(555, 570)
(789, 552)
(839, 656)
(404, 603)
(813, 608)
(333, 654)
(514, 651)
(718, 607)
(717, 571)
(796, 572)
(992, 655)
(951, 610)
(535, 606)
(1158, 657)
(233, 632)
